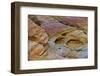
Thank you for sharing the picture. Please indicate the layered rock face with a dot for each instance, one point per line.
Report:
(37, 40)
(57, 37)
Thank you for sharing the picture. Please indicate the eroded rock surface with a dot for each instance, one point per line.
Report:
(57, 37)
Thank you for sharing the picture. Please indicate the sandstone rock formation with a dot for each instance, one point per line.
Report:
(57, 37)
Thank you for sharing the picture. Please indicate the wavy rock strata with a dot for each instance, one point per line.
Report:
(57, 37)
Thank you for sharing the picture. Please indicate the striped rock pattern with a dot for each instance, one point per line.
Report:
(57, 37)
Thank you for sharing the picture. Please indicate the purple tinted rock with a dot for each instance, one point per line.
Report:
(52, 27)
